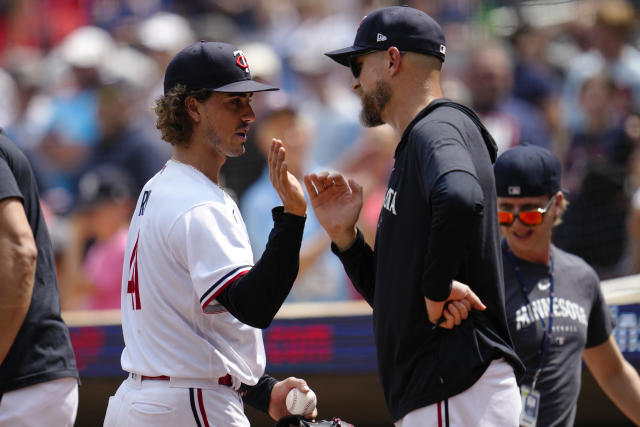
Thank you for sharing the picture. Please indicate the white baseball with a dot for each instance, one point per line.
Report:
(299, 403)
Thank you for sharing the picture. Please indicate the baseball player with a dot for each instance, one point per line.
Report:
(193, 302)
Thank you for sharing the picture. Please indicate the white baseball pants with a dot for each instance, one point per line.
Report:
(160, 403)
(494, 400)
(49, 404)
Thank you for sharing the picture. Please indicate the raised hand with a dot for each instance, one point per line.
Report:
(286, 185)
(337, 205)
(455, 308)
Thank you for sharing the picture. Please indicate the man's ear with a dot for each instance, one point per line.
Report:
(394, 57)
(193, 108)
(557, 204)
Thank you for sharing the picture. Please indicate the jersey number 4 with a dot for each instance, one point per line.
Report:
(132, 284)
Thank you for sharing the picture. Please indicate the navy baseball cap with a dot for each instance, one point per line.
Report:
(101, 184)
(404, 27)
(219, 67)
(527, 171)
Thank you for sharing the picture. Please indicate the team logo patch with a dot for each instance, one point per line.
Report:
(443, 49)
(241, 60)
(514, 190)
(381, 37)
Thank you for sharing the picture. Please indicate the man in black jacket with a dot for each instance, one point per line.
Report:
(438, 226)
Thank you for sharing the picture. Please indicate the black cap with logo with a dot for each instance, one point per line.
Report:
(527, 171)
(219, 67)
(404, 27)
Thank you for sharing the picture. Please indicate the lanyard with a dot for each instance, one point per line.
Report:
(546, 330)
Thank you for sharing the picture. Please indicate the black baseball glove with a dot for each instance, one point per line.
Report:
(298, 421)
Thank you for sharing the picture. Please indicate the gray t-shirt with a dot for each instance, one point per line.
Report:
(581, 319)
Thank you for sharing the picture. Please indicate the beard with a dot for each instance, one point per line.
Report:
(225, 147)
(373, 103)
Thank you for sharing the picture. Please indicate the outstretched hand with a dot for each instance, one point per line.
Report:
(336, 203)
(286, 185)
(278, 400)
(455, 308)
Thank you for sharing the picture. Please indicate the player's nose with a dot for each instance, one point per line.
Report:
(249, 116)
(355, 85)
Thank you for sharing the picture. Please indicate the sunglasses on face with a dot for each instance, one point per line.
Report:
(529, 217)
(355, 65)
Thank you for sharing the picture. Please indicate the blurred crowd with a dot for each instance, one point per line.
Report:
(79, 79)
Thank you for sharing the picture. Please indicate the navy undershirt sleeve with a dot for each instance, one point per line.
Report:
(457, 208)
(359, 264)
(259, 395)
(256, 297)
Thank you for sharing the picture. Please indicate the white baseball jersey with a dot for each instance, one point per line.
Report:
(186, 243)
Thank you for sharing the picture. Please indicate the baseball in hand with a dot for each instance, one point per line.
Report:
(300, 403)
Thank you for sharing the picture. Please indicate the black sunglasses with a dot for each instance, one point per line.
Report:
(356, 67)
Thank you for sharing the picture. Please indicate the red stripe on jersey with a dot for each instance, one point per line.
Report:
(439, 414)
(202, 411)
(222, 288)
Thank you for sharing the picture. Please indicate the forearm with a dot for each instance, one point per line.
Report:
(624, 390)
(17, 273)
(256, 297)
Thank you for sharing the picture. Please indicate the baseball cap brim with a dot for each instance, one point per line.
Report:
(245, 86)
(342, 56)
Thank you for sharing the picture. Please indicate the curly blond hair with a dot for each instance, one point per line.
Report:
(172, 117)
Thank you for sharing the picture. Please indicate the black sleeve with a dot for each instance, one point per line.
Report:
(8, 185)
(359, 263)
(601, 323)
(259, 395)
(457, 206)
(256, 297)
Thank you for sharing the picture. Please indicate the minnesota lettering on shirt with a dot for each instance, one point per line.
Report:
(539, 309)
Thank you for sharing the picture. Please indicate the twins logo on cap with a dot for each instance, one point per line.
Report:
(214, 66)
(241, 60)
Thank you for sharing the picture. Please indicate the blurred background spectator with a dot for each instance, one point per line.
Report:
(79, 79)
(490, 79)
(597, 170)
(612, 50)
(91, 266)
(320, 276)
(369, 162)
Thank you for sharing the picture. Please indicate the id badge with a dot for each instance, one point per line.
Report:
(530, 404)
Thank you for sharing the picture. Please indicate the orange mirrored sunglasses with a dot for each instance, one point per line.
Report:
(532, 217)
